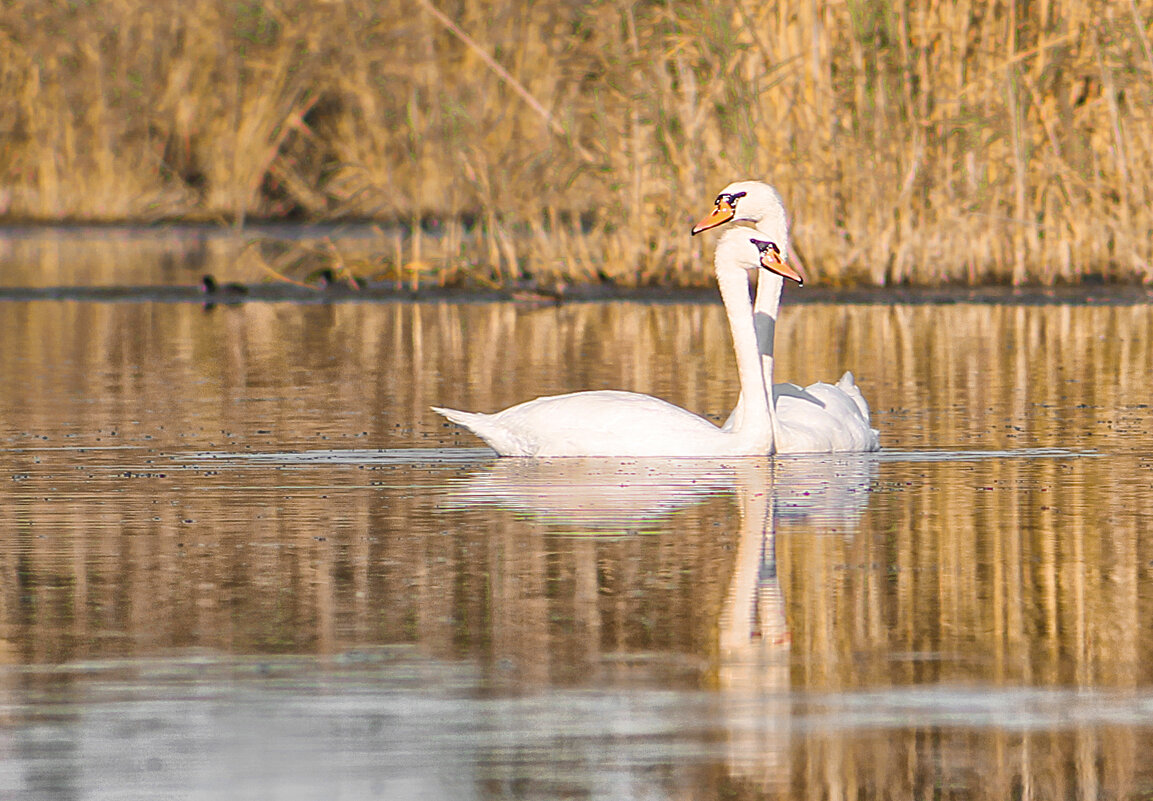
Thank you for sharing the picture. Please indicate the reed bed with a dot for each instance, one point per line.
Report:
(914, 142)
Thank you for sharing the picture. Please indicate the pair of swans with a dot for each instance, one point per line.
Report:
(818, 418)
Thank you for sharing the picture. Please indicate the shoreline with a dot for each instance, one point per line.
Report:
(369, 252)
(386, 292)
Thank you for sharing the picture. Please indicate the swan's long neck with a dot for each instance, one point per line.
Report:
(766, 309)
(765, 312)
(756, 423)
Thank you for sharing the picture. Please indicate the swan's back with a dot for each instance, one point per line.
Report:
(598, 423)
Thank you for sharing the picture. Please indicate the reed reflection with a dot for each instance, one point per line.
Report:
(1001, 572)
(937, 376)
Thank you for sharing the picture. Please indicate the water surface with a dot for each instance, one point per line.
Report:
(242, 559)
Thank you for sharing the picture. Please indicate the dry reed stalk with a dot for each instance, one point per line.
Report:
(915, 142)
(278, 269)
(398, 261)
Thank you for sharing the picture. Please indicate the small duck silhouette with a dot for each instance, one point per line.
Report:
(214, 292)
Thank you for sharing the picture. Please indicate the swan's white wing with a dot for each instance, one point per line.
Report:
(599, 423)
(823, 418)
(848, 385)
(820, 418)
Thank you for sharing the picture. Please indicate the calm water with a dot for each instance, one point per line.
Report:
(241, 559)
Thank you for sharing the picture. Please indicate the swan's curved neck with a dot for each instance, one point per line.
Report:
(756, 423)
(767, 308)
(765, 312)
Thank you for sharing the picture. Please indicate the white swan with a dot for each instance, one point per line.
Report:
(819, 418)
(615, 423)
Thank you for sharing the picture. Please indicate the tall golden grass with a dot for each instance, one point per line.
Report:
(921, 142)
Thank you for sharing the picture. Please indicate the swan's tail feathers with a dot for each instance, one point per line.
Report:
(485, 426)
(467, 419)
(476, 422)
(848, 385)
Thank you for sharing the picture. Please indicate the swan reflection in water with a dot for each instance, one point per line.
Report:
(826, 493)
(619, 497)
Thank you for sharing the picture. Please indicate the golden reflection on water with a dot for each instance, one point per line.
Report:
(937, 376)
(760, 579)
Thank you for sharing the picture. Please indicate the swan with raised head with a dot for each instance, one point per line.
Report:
(819, 418)
(616, 423)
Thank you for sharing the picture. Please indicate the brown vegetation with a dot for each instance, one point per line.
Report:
(914, 142)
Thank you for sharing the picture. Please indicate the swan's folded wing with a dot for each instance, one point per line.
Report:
(848, 385)
(598, 423)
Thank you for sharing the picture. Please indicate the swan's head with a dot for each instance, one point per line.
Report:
(750, 201)
(772, 260)
(742, 249)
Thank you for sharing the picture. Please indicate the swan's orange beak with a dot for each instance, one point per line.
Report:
(772, 261)
(721, 214)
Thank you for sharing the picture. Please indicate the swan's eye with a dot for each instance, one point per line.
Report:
(765, 246)
(730, 200)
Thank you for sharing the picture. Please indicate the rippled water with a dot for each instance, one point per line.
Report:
(241, 559)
